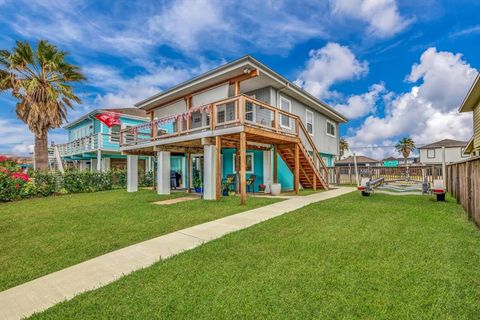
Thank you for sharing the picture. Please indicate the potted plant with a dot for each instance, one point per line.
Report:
(197, 184)
(261, 188)
(225, 188)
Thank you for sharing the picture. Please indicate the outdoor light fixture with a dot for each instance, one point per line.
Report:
(247, 70)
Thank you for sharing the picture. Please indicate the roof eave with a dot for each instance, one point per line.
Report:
(472, 98)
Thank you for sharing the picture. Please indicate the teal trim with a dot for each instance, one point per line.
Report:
(328, 158)
(227, 165)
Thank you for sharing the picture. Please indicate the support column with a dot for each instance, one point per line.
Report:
(243, 168)
(218, 146)
(189, 174)
(267, 170)
(163, 172)
(132, 173)
(105, 164)
(297, 169)
(99, 160)
(209, 172)
(275, 164)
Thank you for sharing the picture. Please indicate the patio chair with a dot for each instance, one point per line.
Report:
(251, 183)
(229, 182)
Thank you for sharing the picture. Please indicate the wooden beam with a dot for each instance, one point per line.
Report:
(179, 149)
(237, 88)
(188, 172)
(243, 168)
(281, 137)
(275, 164)
(244, 77)
(218, 143)
(297, 169)
(314, 182)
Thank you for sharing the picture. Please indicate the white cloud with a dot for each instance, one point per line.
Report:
(184, 23)
(360, 105)
(328, 65)
(382, 16)
(17, 139)
(428, 112)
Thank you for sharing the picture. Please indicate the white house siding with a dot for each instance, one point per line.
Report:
(171, 109)
(324, 143)
(451, 155)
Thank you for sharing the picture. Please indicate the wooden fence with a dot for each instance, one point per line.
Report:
(346, 175)
(463, 183)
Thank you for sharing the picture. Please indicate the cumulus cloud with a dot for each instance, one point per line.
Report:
(361, 105)
(382, 16)
(331, 64)
(428, 112)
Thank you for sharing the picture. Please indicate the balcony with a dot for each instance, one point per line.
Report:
(239, 111)
(263, 124)
(90, 143)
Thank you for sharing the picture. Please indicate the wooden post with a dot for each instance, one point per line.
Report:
(243, 168)
(188, 173)
(275, 164)
(237, 88)
(297, 169)
(314, 182)
(218, 143)
(188, 102)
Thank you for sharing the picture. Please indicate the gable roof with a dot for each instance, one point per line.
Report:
(360, 159)
(235, 68)
(391, 158)
(133, 113)
(473, 96)
(447, 143)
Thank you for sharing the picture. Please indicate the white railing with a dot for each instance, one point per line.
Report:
(90, 143)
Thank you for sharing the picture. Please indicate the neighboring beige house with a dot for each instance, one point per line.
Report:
(471, 104)
(433, 153)
(362, 161)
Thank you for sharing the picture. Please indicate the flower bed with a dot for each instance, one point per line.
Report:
(16, 184)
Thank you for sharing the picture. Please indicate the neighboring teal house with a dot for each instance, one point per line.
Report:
(92, 145)
(390, 162)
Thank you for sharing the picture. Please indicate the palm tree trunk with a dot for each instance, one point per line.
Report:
(41, 152)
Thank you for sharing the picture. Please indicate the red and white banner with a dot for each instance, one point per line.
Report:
(109, 118)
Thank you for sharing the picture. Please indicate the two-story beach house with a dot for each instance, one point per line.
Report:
(239, 126)
(446, 150)
(93, 145)
(471, 103)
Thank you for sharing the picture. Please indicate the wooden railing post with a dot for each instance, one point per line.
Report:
(241, 109)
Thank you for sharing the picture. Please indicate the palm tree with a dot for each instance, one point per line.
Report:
(40, 80)
(343, 145)
(405, 146)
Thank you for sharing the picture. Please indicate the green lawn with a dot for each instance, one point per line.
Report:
(382, 257)
(43, 235)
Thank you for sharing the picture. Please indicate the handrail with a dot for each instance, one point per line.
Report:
(312, 144)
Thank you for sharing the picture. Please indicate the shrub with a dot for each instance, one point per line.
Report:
(45, 183)
(119, 178)
(85, 181)
(147, 179)
(9, 188)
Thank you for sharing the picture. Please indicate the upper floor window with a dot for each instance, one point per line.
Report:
(309, 121)
(115, 133)
(430, 153)
(285, 105)
(331, 129)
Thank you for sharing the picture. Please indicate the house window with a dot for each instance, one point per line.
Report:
(249, 111)
(331, 129)
(285, 105)
(236, 163)
(309, 120)
(115, 133)
(430, 153)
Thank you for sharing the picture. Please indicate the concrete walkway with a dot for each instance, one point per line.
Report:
(42, 293)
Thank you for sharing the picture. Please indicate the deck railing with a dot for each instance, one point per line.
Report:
(230, 112)
(90, 143)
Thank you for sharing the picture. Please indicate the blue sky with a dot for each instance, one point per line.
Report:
(395, 68)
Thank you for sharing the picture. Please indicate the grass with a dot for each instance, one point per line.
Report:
(383, 257)
(43, 235)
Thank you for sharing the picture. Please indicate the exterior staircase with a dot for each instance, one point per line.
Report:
(310, 176)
